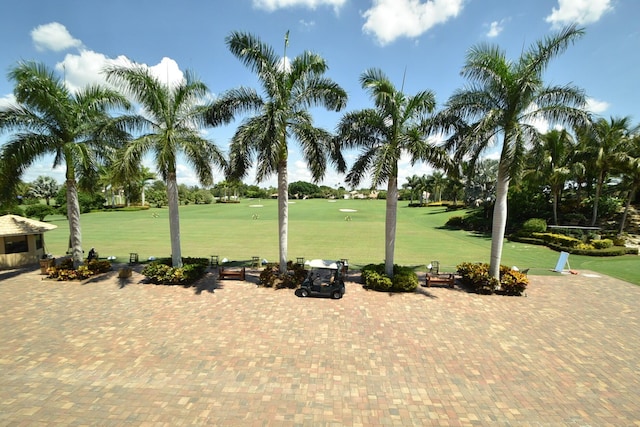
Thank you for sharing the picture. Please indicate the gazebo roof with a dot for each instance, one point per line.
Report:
(14, 225)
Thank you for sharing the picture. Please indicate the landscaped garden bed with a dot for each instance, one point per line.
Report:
(65, 271)
(161, 272)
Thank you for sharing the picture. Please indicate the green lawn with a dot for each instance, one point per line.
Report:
(317, 229)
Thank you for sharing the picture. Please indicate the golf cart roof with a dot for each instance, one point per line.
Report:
(322, 263)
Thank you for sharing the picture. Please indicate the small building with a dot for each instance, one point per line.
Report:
(21, 241)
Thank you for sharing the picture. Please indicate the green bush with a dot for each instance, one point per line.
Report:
(404, 278)
(476, 276)
(455, 222)
(619, 241)
(162, 273)
(558, 239)
(11, 210)
(512, 282)
(39, 211)
(99, 266)
(602, 244)
(271, 277)
(65, 270)
(577, 246)
(534, 225)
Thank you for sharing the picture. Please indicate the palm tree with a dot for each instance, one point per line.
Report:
(143, 178)
(109, 183)
(173, 114)
(394, 127)
(44, 187)
(551, 163)
(630, 167)
(413, 184)
(604, 145)
(455, 184)
(503, 101)
(436, 182)
(290, 89)
(48, 119)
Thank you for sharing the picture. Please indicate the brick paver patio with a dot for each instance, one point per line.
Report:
(103, 354)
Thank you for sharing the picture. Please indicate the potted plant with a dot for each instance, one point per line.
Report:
(45, 262)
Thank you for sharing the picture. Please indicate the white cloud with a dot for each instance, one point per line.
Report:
(53, 36)
(272, 5)
(596, 107)
(86, 68)
(389, 19)
(7, 100)
(578, 11)
(495, 28)
(167, 71)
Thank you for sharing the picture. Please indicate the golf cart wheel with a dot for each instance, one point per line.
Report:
(304, 292)
(336, 295)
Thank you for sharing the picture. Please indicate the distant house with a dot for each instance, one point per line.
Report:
(21, 240)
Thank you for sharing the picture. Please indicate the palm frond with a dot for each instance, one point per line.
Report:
(537, 58)
(233, 102)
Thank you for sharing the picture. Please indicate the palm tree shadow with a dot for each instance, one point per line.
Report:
(208, 283)
(422, 291)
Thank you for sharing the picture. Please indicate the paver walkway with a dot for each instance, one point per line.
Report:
(101, 354)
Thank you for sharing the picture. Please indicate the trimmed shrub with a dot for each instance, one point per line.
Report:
(455, 222)
(162, 273)
(602, 244)
(512, 282)
(99, 266)
(578, 247)
(558, 239)
(619, 241)
(476, 277)
(270, 277)
(534, 225)
(404, 278)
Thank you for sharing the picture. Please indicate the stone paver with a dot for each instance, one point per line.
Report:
(103, 354)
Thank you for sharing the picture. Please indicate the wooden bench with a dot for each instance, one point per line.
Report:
(437, 278)
(224, 273)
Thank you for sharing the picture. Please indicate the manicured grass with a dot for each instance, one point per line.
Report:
(317, 229)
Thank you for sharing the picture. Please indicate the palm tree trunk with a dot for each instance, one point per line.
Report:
(142, 196)
(283, 213)
(626, 209)
(596, 199)
(174, 219)
(499, 222)
(555, 208)
(390, 225)
(73, 216)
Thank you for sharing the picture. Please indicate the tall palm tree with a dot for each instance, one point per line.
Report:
(604, 145)
(501, 103)
(143, 178)
(109, 183)
(75, 128)
(169, 125)
(413, 184)
(383, 134)
(437, 181)
(551, 163)
(630, 168)
(289, 90)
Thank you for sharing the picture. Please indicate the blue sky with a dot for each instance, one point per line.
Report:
(422, 43)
